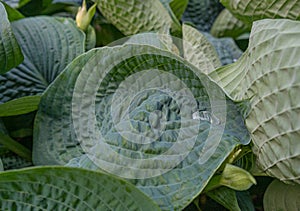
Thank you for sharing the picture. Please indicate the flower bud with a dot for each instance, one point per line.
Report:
(84, 17)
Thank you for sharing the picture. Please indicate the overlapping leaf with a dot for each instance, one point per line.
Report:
(63, 188)
(59, 131)
(202, 13)
(268, 72)
(48, 45)
(226, 25)
(252, 10)
(10, 52)
(280, 196)
(132, 17)
(198, 50)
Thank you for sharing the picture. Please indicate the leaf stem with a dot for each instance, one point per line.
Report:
(15, 147)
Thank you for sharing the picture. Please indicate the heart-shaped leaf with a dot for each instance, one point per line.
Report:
(48, 45)
(178, 130)
(10, 52)
(64, 188)
(269, 74)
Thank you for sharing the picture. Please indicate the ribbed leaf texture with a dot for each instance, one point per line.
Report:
(202, 13)
(136, 16)
(10, 52)
(198, 50)
(48, 45)
(65, 188)
(83, 110)
(280, 196)
(226, 25)
(252, 10)
(269, 73)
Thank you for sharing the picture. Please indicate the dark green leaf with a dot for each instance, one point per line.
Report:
(226, 197)
(19, 106)
(64, 188)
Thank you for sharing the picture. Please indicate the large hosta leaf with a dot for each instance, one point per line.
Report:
(132, 17)
(10, 52)
(252, 10)
(202, 13)
(269, 73)
(48, 45)
(64, 188)
(141, 113)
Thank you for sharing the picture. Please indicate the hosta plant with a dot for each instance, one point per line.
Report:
(167, 118)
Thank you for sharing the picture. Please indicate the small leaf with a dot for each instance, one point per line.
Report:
(236, 178)
(65, 188)
(226, 197)
(132, 17)
(280, 196)
(178, 7)
(226, 25)
(252, 10)
(245, 201)
(84, 16)
(20, 106)
(198, 50)
(12, 13)
(10, 52)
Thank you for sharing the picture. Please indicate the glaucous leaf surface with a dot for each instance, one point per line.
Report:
(280, 196)
(48, 45)
(169, 148)
(268, 74)
(132, 17)
(226, 25)
(252, 10)
(65, 188)
(10, 52)
(202, 13)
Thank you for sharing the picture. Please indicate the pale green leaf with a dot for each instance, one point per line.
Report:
(10, 52)
(65, 188)
(226, 197)
(66, 124)
(20, 106)
(202, 13)
(226, 25)
(198, 50)
(269, 74)
(48, 45)
(281, 197)
(132, 17)
(252, 10)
